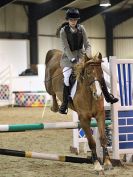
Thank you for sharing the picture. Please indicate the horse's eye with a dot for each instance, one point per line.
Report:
(89, 72)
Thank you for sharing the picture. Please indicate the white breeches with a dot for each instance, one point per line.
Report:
(66, 73)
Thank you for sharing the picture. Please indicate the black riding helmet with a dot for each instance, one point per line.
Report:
(72, 13)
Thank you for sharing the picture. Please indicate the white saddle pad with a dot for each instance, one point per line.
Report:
(73, 90)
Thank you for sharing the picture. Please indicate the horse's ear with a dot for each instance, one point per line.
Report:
(86, 58)
(100, 56)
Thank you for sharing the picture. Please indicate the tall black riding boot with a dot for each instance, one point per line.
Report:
(66, 94)
(108, 97)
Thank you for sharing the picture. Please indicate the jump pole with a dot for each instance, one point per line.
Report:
(45, 156)
(40, 126)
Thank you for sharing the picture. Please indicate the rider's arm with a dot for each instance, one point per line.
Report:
(86, 43)
(65, 44)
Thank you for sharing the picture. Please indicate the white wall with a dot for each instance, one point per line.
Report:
(45, 44)
(14, 53)
(96, 33)
(48, 26)
(13, 19)
(30, 83)
(123, 48)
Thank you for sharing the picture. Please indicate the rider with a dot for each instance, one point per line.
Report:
(75, 43)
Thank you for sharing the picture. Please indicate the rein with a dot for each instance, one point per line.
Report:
(56, 75)
(85, 77)
(91, 64)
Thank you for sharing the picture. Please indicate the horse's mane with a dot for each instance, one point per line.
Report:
(79, 67)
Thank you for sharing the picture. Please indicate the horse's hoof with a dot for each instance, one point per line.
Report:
(97, 166)
(101, 172)
(54, 109)
(108, 166)
(62, 112)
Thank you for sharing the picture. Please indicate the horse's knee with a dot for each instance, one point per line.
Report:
(92, 144)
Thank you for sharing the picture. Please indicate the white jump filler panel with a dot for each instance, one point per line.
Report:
(122, 112)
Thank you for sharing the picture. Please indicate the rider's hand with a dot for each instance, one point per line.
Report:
(73, 60)
(80, 60)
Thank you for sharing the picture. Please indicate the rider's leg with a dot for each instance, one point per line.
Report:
(66, 90)
(108, 97)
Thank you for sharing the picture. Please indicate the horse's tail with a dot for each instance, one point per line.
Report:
(49, 55)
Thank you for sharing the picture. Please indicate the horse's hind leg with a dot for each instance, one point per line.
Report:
(85, 124)
(55, 106)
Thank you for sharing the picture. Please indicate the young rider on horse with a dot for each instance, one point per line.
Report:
(75, 43)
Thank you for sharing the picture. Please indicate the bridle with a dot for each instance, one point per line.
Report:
(87, 77)
(93, 82)
(90, 79)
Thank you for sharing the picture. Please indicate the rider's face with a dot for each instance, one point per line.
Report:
(73, 22)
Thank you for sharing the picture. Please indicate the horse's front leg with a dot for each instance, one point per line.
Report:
(85, 124)
(103, 140)
(55, 106)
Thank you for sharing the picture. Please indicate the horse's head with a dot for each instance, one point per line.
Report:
(90, 72)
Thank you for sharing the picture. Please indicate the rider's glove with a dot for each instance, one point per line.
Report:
(73, 60)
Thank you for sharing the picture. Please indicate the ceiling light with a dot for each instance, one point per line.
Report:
(105, 3)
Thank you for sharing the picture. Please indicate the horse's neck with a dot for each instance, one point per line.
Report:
(83, 97)
(84, 89)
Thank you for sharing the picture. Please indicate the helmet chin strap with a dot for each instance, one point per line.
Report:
(73, 29)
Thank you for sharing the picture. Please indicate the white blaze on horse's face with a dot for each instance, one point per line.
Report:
(97, 92)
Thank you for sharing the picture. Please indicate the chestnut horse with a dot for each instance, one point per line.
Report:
(88, 101)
